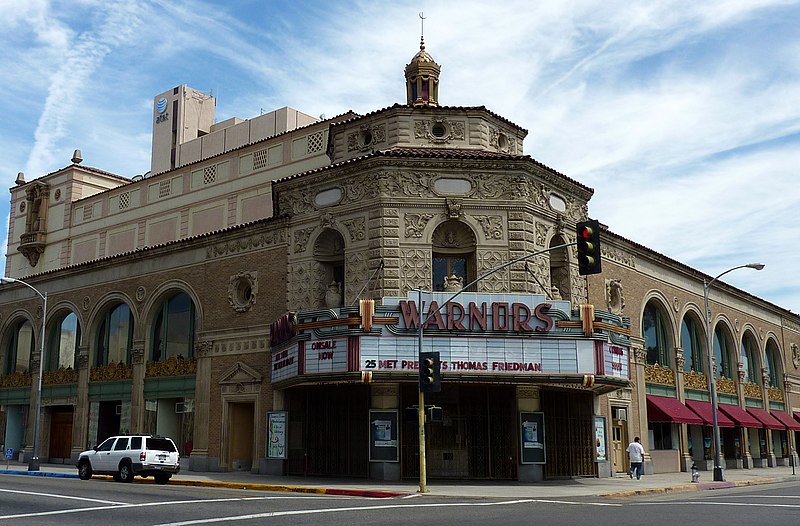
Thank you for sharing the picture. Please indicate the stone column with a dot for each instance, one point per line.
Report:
(771, 460)
(137, 387)
(639, 361)
(202, 405)
(686, 459)
(80, 418)
(744, 434)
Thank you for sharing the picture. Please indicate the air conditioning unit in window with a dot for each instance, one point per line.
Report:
(118, 409)
(182, 407)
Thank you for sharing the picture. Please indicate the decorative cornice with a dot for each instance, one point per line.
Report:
(246, 244)
(172, 366)
(111, 372)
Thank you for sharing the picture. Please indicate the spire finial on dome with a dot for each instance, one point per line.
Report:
(421, 31)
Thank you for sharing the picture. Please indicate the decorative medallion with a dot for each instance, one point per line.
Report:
(22, 207)
(58, 194)
(141, 292)
(242, 290)
(87, 302)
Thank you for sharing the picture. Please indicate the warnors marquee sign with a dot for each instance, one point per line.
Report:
(476, 334)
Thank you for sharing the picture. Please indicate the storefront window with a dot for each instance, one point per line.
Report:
(660, 435)
(654, 332)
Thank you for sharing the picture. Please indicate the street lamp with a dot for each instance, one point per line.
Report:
(33, 462)
(719, 472)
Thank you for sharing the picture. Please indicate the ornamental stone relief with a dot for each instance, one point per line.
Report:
(415, 269)
(172, 366)
(356, 228)
(111, 372)
(775, 394)
(616, 256)
(203, 348)
(415, 224)
(326, 220)
(454, 210)
(358, 273)
(137, 353)
(16, 380)
(488, 260)
(301, 238)
(795, 356)
(615, 296)
(791, 325)
(680, 361)
(306, 287)
(492, 226)
(60, 376)
(541, 234)
(439, 130)
(244, 244)
(366, 137)
(243, 290)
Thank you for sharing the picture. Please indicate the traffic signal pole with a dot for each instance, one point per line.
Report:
(423, 319)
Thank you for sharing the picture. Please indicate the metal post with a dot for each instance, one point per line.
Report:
(33, 462)
(423, 475)
(719, 471)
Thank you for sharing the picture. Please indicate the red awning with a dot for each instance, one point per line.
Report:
(664, 409)
(787, 420)
(765, 418)
(739, 416)
(705, 411)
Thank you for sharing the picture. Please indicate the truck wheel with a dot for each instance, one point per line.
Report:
(84, 470)
(125, 473)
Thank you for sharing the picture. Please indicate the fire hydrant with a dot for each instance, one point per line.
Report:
(695, 474)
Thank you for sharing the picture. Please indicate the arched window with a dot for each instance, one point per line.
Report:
(750, 360)
(774, 365)
(19, 349)
(453, 247)
(63, 341)
(692, 344)
(329, 255)
(654, 332)
(173, 328)
(722, 353)
(115, 336)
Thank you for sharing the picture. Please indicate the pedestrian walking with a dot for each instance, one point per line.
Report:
(636, 453)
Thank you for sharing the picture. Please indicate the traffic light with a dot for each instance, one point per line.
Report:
(430, 372)
(588, 247)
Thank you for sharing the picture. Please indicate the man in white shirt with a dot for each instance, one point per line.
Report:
(636, 454)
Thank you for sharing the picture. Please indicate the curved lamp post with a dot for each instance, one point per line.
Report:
(719, 472)
(33, 462)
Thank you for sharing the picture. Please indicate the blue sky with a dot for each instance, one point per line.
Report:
(683, 116)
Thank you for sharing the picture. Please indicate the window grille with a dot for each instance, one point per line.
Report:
(124, 200)
(315, 142)
(260, 159)
(210, 174)
(164, 188)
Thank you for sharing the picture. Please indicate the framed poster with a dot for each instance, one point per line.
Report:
(276, 434)
(601, 454)
(532, 438)
(384, 445)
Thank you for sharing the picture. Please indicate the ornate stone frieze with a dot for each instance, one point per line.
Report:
(628, 260)
(492, 226)
(752, 390)
(306, 285)
(356, 228)
(358, 273)
(726, 385)
(791, 325)
(111, 372)
(775, 394)
(695, 380)
(301, 237)
(541, 234)
(16, 380)
(415, 224)
(60, 376)
(655, 374)
(244, 244)
(172, 366)
(488, 260)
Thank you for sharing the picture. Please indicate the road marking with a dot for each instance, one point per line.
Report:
(55, 496)
(122, 505)
(710, 503)
(373, 508)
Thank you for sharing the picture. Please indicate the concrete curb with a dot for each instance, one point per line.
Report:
(39, 474)
(701, 486)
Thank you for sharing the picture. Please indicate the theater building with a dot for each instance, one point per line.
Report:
(220, 299)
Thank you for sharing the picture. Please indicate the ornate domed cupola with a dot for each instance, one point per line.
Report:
(422, 79)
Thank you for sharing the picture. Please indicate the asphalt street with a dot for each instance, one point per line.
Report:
(69, 501)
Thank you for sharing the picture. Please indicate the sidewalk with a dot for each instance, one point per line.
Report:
(615, 487)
